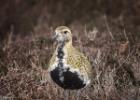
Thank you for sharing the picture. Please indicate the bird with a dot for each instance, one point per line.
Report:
(68, 67)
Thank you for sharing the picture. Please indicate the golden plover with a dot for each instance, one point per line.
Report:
(68, 67)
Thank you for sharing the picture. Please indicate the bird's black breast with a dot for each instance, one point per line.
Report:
(66, 79)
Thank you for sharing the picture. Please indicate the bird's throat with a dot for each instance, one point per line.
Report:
(60, 51)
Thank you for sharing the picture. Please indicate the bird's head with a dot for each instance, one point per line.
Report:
(63, 34)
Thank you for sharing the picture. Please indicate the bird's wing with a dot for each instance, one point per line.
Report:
(77, 60)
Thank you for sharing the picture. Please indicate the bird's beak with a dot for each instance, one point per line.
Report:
(58, 37)
(55, 37)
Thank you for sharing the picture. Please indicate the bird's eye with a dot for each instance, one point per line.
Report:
(65, 32)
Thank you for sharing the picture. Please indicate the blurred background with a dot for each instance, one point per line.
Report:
(33, 15)
(107, 31)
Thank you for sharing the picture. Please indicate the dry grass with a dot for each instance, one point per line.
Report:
(23, 67)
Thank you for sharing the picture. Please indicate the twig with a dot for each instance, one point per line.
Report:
(107, 26)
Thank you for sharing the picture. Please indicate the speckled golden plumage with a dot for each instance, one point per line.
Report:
(78, 60)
